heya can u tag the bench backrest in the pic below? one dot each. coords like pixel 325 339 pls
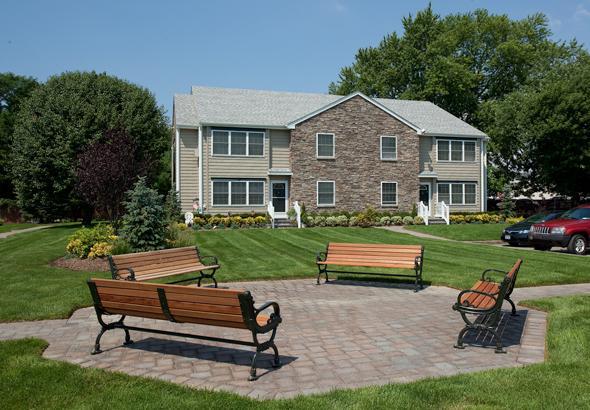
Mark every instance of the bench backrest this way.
pixel 512 274
pixel 145 263
pixel 386 253
pixel 216 307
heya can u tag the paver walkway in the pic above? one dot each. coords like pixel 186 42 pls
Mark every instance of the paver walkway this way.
pixel 337 335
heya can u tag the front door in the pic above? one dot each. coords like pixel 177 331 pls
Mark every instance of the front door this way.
pixel 425 194
pixel 278 192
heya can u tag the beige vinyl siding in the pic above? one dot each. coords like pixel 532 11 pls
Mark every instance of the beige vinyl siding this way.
pixel 279 149
pixel 228 167
pixel 189 168
pixel 452 171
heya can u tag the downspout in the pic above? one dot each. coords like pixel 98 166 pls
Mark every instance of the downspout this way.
pixel 484 176
pixel 177 144
pixel 200 142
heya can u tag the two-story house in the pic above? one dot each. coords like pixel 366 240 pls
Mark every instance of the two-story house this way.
pixel 236 150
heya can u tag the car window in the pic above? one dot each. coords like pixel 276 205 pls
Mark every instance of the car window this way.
pixel 553 215
pixel 536 218
pixel 577 213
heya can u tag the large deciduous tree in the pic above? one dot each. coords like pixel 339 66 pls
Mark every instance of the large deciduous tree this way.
pixel 457 61
pixel 106 170
pixel 541 134
pixel 14 89
pixel 61 118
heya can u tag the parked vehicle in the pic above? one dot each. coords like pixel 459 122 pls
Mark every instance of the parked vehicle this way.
pixel 571 230
pixel 518 234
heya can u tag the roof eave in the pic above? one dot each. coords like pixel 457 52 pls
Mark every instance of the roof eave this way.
pixel 345 98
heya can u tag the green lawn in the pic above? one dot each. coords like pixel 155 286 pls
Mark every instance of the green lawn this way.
pixel 463 232
pixel 31 289
pixel 29 381
pixel 16 227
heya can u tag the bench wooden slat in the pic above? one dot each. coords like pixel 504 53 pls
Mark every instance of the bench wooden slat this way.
pixel 371 264
pixel 201 307
pixel 156 262
pixel 171 270
pixel 180 297
pixel 371 245
pixel 172 252
pixel 361 258
pixel 170 289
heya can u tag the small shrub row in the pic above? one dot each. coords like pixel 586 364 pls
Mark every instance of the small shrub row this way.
pixel 482 218
pixel 92 242
pixel 366 218
pixel 230 221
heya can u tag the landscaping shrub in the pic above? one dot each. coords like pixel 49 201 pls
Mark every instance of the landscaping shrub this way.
pixel 144 223
pixel 418 220
pixel 479 217
pixel 397 220
pixel 120 246
pixel 91 242
pixel 408 220
pixel 172 208
pixel 178 235
pixel 512 221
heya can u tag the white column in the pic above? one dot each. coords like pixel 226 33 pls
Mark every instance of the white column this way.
pixel 484 176
pixel 177 162
pixel 200 142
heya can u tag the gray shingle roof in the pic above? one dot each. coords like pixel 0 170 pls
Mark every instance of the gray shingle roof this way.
pixel 257 108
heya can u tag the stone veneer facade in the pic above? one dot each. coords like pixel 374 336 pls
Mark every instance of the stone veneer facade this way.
pixel 357 168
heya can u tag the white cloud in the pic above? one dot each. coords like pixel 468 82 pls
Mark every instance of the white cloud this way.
pixel 581 12
pixel 339 6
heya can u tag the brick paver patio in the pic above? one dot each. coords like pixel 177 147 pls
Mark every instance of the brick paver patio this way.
pixel 337 335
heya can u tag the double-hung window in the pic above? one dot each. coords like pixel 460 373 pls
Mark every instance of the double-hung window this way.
pixel 455 150
pixel 456 193
pixel 388 193
pixel 237 143
pixel 388 148
pixel 325 147
pixel 238 192
pixel 326 193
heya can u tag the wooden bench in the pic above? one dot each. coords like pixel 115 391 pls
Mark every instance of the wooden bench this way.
pixel 485 300
pixel 183 304
pixel 144 266
pixel 372 255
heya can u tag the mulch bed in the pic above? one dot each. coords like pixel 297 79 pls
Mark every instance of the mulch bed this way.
pixel 94 265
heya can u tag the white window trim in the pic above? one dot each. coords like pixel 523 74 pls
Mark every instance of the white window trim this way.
pixel 229 154
pixel 448 140
pixel 383 205
pixel 317 146
pixel 229 192
pixel 451 192
pixel 317 192
pixel 381 147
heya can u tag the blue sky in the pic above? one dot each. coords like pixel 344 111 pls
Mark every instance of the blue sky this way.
pixel 278 45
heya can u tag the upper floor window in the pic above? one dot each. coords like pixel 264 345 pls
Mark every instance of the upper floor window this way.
pixel 457 193
pixel 455 150
pixel 326 193
pixel 388 193
pixel 237 143
pixel 325 145
pixel 388 148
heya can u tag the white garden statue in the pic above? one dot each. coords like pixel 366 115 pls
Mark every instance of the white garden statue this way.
pixel 188 218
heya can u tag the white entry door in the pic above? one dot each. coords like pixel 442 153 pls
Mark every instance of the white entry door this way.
pixel 279 194
pixel 426 195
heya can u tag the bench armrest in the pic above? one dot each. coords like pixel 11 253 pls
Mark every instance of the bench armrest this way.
pixel 275 316
pixel 116 275
pixel 321 256
pixel 487 278
pixel 213 260
pixel 466 306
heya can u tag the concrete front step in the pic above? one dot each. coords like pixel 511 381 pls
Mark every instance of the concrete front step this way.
pixel 284 223
pixel 436 221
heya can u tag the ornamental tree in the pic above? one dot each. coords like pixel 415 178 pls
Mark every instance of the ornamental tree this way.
pixel 106 170
pixel 61 118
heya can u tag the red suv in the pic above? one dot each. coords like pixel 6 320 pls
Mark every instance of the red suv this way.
pixel 571 230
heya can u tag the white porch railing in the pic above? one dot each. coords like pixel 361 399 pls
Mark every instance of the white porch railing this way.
pixel 441 210
pixel 297 209
pixel 423 212
pixel 271 214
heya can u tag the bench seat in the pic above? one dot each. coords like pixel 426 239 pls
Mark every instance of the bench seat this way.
pixel 144 266
pixel 183 304
pixel 484 300
pixel 372 256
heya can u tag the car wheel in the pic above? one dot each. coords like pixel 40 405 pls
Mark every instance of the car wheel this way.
pixel 577 245
pixel 542 247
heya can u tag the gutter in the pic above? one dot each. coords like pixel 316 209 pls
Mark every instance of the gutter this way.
pixel 177 147
pixel 200 142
